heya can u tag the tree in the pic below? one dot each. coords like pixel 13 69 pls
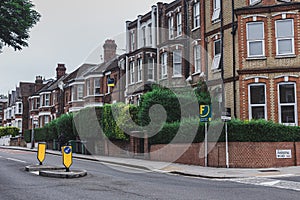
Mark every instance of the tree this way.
pixel 16 18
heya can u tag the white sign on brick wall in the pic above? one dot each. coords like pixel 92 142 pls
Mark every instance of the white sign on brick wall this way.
pixel 280 153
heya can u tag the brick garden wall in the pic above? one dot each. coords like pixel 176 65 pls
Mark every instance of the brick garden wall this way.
pixel 241 154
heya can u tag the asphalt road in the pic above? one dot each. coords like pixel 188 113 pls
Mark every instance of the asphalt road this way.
pixel 117 182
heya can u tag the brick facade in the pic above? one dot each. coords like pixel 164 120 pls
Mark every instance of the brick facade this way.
pixel 241 154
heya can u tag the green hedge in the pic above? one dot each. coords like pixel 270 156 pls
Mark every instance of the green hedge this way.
pixel 238 131
pixel 13 131
pixel 95 122
pixel 39 135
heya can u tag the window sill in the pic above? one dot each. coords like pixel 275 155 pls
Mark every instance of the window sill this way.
pixel 214 71
pixel 196 73
pixel 285 56
pixel 131 84
pixel 196 28
pixel 139 82
pixel 177 76
pixel 76 101
pixel 216 21
pixel 256 58
pixel 162 79
pixel 178 36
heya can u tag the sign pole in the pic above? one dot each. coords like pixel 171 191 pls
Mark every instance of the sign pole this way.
pixel 32 133
pixel 226 138
pixel 206 146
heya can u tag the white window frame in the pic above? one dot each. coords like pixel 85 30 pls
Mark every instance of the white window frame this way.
pixel 197 58
pixel 140 70
pixel 48 119
pixel 151 63
pixel 20 108
pixel 144 38
pixel 196 15
pixel 97 86
pixel 217 56
pixel 249 41
pixel 132 40
pixel 217 10
pixel 177 64
pixel 171 27
pixel 179 23
pixel 41 101
pixel 290 37
pixel 47 99
pixel 132 74
pixel 88 87
pixel 73 93
pixel 257 105
pixel 150 33
pixel 288 104
pixel 164 63
pixel 80 92
pixel 38 102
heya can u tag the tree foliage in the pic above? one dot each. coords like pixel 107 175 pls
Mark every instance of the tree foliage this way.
pixel 16 18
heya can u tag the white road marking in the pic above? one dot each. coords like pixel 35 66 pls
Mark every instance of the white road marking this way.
pixel 16 160
pixel 266 182
pixel 35 172
pixel 270 183
pixel 1 157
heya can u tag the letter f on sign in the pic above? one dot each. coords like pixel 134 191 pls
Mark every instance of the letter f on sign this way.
pixel 202 109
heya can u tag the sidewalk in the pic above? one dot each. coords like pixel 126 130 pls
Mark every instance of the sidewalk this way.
pixel 181 169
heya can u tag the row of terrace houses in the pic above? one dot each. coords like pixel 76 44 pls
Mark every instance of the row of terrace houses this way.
pixel 246 51
pixel 36 104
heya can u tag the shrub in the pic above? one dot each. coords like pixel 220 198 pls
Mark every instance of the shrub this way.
pixel 13 131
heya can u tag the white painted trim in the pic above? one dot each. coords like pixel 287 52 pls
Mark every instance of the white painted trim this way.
pixel 94 76
pixel 42 93
pixel 44 113
pixel 281 13
pixel 95 104
pixel 281 76
pixel 253 77
pixel 77 83
pixel 75 109
pixel 251 16
pixel 108 73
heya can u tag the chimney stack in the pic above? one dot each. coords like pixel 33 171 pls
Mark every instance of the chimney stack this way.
pixel 38 83
pixel 60 71
pixel 110 48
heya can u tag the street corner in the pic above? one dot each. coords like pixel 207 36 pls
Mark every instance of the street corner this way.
pixel 63 173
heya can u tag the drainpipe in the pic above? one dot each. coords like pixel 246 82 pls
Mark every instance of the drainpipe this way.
pixel 234 27
pixel 187 64
pixel 222 53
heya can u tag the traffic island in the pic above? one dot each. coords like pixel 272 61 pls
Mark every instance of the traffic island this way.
pixel 32 168
pixel 63 173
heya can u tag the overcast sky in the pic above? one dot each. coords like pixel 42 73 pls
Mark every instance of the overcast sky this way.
pixel 68 32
